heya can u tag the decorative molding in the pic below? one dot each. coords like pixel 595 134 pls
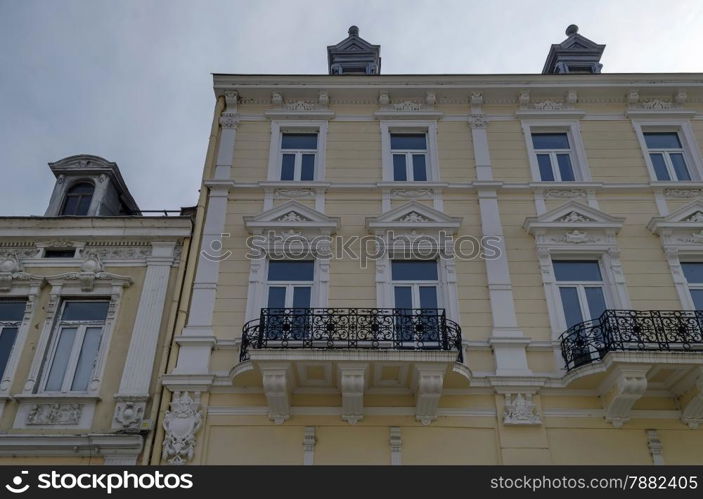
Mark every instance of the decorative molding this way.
pixel 429 380
pixel 619 392
pixel 129 415
pixel 478 120
pixel 181 424
pixel 352 380
pixel 564 193
pixel 309 442
pixel 91 270
pixel 520 409
pixel 396 444
pixel 413 215
pixel 412 194
pixel 655 447
pixel 55 414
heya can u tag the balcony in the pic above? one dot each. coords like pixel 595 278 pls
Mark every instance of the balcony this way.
pixel 632 330
pixel 351 328
pixel 351 352
pixel 627 354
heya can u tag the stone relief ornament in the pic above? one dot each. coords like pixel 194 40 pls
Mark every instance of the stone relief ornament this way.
pixel 683 193
pixel 54 414
pixel 573 217
pixel 520 409
pixel 129 415
pixel 478 121
pixel 407 106
pixel 577 237
pixel 120 252
pixel 11 270
pixel 694 217
pixel 293 193
pixel 414 216
pixel 292 216
pixel 300 105
pixel 181 423
pixel 548 105
pixel 411 193
pixel 565 193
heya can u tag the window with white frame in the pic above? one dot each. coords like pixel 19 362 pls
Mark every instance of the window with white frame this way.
pixel 409 152
pixel 581 289
pixel 667 155
pixel 298 155
pixel 415 285
pixel 554 156
pixel 289 291
pixel 75 345
pixel 11 315
pixel 693 271
pixel 555 151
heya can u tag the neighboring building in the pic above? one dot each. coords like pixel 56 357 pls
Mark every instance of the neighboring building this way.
pixel 88 301
pixel 588 191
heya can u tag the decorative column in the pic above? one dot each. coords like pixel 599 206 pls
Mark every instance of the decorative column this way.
pixel 197 338
pixel 507 340
pixel 136 377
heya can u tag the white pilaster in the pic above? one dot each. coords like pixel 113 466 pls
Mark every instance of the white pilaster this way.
pixel 396 444
pixel 309 442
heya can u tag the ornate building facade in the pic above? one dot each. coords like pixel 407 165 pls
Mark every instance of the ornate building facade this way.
pixel 526 286
pixel 88 296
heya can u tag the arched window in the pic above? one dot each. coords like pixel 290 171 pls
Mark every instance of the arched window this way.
pixel 78 199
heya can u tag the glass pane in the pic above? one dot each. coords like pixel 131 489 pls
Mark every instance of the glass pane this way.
pixel 299 141
pixel 307 171
pixel 82 188
pixel 403 297
pixel 545 167
pixel 399 172
pixel 70 205
pixel 565 169
pixel 419 169
pixel 428 297
pixel 83 205
pixel 414 141
pixel 662 140
pixel 414 270
pixel 86 359
pixel 679 166
pixel 85 311
pixel 285 270
pixel 550 141
pixel 572 309
pixel 288 167
pixel 11 311
pixel 697 295
pixel 301 297
pixel 577 270
pixel 7 340
pixel 693 271
pixel 277 297
pixel 596 302
pixel 659 167
pixel 60 361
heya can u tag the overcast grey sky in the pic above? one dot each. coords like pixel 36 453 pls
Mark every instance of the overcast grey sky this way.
pixel 131 80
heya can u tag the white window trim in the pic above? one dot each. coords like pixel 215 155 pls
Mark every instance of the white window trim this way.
pixel 691 151
pixel 64 287
pixel 403 126
pixel 572 128
pixel 278 127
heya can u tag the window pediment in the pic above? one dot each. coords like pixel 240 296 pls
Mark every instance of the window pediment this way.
pixel 413 215
pixel 681 228
pixel 290 216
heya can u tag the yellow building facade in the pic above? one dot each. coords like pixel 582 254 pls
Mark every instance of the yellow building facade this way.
pixel 88 300
pixel 444 269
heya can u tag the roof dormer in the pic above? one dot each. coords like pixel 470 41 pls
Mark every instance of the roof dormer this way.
pixel 354 56
pixel 89 186
pixel 576 54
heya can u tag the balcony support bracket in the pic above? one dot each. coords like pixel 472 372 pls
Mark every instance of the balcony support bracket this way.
pixel 352 381
pixel 621 390
pixel 428 383
pixel 276 380
pixel 692 403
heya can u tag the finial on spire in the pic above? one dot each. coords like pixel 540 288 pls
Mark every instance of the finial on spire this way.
pixel 353 31
pixel 572 29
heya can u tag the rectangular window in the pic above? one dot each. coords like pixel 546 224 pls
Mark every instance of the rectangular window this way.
pixel 298 154
pixel 409 152
pixel 11 314
pixel 59 253
pixel 554 156
pixel 415 293
pixel 667 155
pixel 289 298
pixel 75 346
pixel 694 276
pixel 581 289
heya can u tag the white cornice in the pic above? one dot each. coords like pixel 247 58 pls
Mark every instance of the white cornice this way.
pixel 69 445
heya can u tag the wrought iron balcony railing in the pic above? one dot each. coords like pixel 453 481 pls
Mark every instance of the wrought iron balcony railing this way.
pixel 352 328
pixel 632 330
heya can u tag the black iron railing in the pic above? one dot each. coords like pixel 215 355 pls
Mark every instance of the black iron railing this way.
pixel 632 330
pixel 352 328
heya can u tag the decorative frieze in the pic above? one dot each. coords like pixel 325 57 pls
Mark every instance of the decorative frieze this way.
pixel 55 414
pixel 683 193
pixel 564 193
pixel 294 194
pixel 520 409
pixel 412 194
pixel 181 424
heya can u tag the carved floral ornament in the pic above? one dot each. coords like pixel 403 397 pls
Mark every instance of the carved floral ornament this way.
pixel 181 423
